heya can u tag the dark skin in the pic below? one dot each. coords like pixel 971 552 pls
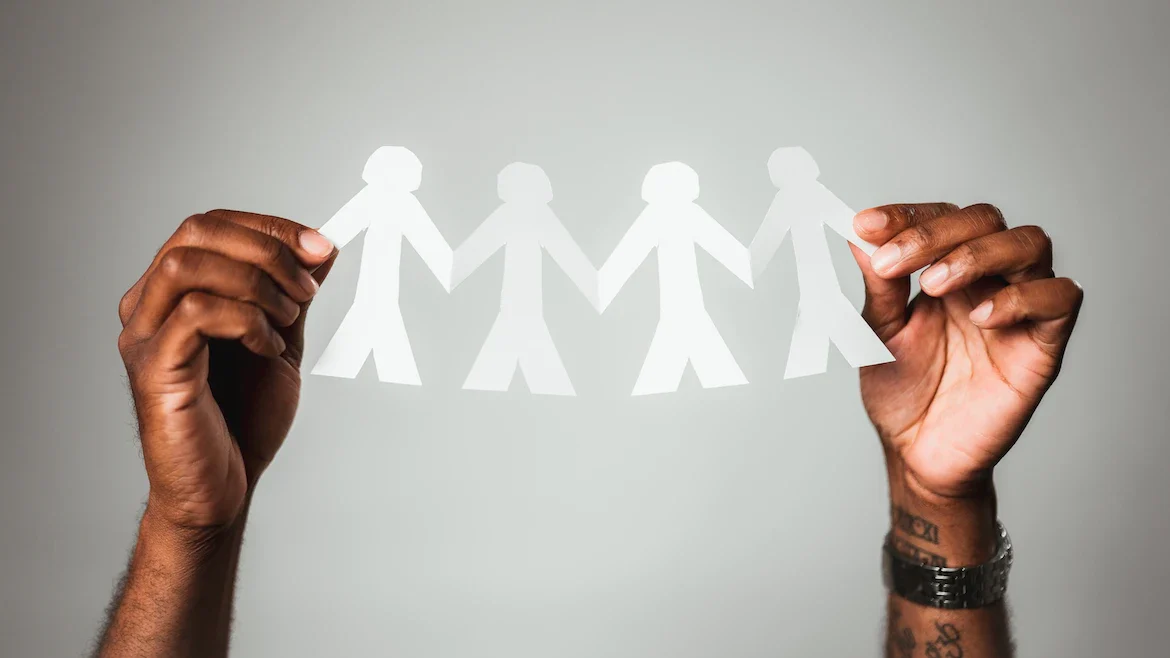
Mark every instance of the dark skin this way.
pixel 213 339
pixel 976 351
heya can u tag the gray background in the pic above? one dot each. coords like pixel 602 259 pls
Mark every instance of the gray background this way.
pixel 440 522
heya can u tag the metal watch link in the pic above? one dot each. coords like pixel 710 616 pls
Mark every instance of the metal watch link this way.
pixel 949 587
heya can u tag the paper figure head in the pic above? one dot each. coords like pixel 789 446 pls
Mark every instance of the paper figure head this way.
pixel 523 182
pixel 792 164
pixel 393 167
pixel 670 182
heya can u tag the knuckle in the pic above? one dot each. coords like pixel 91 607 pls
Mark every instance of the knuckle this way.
pixel 254 283
pixel 966 256
pixel 276 226
pixel 255 316
pixel 195 226
pixel 1012 298
pixel 195 304
pixel 176 262
pixel 271 251
pixel 973 223
pixel 939 210
pixel 285 262
pixel 250 320
pixel 1034 237
pixel 987 213
pixel 125 306
pixel 922 237
pixel 907 210
pixel 126 342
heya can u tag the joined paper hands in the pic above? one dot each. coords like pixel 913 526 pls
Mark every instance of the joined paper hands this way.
pixel 524 226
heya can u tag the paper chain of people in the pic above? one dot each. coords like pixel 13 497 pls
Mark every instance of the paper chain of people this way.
pixel 524 226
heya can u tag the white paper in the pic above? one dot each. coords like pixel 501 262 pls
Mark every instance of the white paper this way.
pixel 803 206
pixel 673 223
pixel 388 211
pixel 524 226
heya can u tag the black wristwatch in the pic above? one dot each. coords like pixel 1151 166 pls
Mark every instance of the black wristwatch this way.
pixel 949 587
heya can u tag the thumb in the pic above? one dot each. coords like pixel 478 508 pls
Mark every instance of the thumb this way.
pixel 294 334
pixel 885 299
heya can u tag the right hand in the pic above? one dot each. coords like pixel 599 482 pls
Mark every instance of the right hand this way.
pixel 976 351
pixel 212 339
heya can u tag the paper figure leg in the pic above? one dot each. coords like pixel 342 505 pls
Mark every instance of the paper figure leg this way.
pixel 497 360
pixel 392 354
pixel 665 362
pixel 541 364
pixel 347 350
pixel 809 352
pixel 710 357
pixel 853 337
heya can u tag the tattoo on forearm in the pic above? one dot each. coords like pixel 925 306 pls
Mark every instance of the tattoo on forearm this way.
pixel 901 639
pixel 915 526
pixel 918 554
pixel 946 645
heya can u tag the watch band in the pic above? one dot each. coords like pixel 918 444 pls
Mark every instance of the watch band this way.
pixel 949 587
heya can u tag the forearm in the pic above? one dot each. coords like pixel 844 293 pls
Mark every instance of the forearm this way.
pixel 176 598
pixel 943 532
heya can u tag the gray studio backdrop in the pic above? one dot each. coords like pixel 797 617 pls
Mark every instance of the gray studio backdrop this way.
pixel 436 522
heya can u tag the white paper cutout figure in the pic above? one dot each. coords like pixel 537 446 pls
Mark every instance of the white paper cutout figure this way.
pixel 387 209
pixel 804 206
pixel 674 223
pixel 524 226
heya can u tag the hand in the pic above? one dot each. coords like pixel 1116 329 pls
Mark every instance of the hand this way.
pixel 976 351
pixel 212 341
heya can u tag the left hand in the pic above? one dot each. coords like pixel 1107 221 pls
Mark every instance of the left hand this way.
pixel 976 351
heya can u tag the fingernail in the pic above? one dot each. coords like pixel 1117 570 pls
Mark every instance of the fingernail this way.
pixel 934 276
pixel 870 221
pixel 981 312
pixel 885 257
pixel 308 282
pixel 280 344
pixel 316 244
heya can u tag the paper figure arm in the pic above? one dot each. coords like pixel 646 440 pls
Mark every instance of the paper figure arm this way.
pixel 635 245
pixel 424 236
pixel 769 236
pixel 839 217
pixel 353 217
pixel 485 240
pixel 567 254
pixel 717 241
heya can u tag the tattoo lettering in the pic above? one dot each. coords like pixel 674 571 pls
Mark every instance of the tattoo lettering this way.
pixel 901 640
pixel 946 645
pixel 915 526
pixel 904 643
pixel 917 554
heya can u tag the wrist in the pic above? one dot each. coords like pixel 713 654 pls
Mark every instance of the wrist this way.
pixel 167 529
pixel 941 530
pixel 178 589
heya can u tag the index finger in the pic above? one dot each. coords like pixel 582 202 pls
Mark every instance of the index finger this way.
pixel 878 225
pixel 309 246
pixel 295 251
